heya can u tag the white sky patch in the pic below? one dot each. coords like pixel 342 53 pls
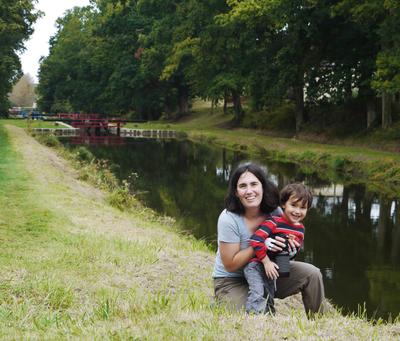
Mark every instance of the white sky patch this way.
pixel 45 27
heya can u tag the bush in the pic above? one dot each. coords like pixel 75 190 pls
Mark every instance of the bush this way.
pixel 279 118
pixel 83 154
pixel 122 198
pixel 340 163
pixel 48 140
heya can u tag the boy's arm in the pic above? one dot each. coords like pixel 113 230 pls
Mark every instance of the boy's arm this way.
pixel 270 268
pixel 257 240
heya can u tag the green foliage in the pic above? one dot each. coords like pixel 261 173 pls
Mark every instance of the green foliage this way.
pixel 150 59
pixel 16 25
pixel 340 163
pixel 83 154
pixel 122 197
pixel 280 118
pixel 49 140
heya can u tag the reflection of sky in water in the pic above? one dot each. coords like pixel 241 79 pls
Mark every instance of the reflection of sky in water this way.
pixel 274 179
pixel 392 210
pixel 328 273
pixel 375 211
pixel 351 207
pixel 335 190
pixel 224 173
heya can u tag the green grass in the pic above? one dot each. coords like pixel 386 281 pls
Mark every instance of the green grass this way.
pixel 23 123
pixel 73 267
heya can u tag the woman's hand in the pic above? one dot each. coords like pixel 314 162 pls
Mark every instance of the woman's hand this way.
pixel 270 268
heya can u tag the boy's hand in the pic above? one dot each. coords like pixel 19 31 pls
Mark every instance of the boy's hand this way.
pixel 270 268
pixel 293 246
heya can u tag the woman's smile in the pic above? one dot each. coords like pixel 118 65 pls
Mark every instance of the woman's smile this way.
pixel 249 190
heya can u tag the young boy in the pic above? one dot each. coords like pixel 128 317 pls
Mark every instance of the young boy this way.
pixel 295 200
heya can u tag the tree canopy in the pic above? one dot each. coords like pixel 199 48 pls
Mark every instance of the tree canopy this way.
pixel 16 21
pixel 149 58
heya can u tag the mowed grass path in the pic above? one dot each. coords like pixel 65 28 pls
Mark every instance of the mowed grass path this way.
pixel 74 267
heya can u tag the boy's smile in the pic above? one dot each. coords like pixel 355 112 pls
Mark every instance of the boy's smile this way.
pixel 294 210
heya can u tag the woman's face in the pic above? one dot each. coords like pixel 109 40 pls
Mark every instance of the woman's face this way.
pixel 249 190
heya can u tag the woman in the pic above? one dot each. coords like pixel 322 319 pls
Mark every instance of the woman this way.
pixel 251 197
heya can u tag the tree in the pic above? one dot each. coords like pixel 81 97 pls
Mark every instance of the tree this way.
pixel 23 93
pixel 381 19
pixel 387 76
pixel 63 74
pixel 16 22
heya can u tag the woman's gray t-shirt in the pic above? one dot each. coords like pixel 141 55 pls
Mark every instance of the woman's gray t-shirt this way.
pixel 231 229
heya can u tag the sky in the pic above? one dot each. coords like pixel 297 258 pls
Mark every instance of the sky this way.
pixel 38 44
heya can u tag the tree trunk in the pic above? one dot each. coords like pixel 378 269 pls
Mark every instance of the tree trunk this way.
pixel 371 112
pixel 386 110
pixel 183 101
pixel 384 218
pixel 298 95
pixel 225 102
pixel 237 106
pixel 395 254
pixel 348 88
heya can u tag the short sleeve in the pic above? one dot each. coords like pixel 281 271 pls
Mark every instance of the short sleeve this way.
pixel 228 229
pixel 277 212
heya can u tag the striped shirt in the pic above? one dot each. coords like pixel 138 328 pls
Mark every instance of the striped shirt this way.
pixel 271 226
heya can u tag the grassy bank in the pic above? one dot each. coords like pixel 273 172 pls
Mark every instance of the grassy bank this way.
pixel 30 124
pixel 75 267
pixel 379 170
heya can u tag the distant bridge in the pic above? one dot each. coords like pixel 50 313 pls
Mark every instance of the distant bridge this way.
pixel 94 130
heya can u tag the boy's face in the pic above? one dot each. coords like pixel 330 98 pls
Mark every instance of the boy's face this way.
pixel 294 210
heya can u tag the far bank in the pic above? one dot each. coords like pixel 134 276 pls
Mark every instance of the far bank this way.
pixel 378 169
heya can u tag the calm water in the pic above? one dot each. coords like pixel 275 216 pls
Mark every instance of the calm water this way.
pixel 352 234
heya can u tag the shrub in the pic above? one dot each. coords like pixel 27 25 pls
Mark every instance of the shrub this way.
pixel 83 154
pixel 278 118
pixel 340 163
pixel 48 140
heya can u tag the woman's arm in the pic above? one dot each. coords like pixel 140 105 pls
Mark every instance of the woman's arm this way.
pixel 232 257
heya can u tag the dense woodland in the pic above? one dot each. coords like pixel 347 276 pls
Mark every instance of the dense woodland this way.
pixel 282 62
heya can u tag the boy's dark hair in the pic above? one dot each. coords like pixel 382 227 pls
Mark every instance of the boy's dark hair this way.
pixel 270 200
pixel 299 191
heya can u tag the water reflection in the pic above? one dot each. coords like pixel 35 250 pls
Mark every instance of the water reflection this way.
pixel 352 235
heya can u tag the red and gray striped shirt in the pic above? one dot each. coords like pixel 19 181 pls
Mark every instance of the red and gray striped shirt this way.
pixel 271 226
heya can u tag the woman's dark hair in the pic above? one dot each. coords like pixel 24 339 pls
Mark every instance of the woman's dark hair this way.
pixel 270 200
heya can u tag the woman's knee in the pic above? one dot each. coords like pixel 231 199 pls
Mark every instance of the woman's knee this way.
pixel 304 271
pixel 232 292
pixel 315 272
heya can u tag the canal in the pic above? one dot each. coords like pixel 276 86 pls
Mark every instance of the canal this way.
pixel 352 233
